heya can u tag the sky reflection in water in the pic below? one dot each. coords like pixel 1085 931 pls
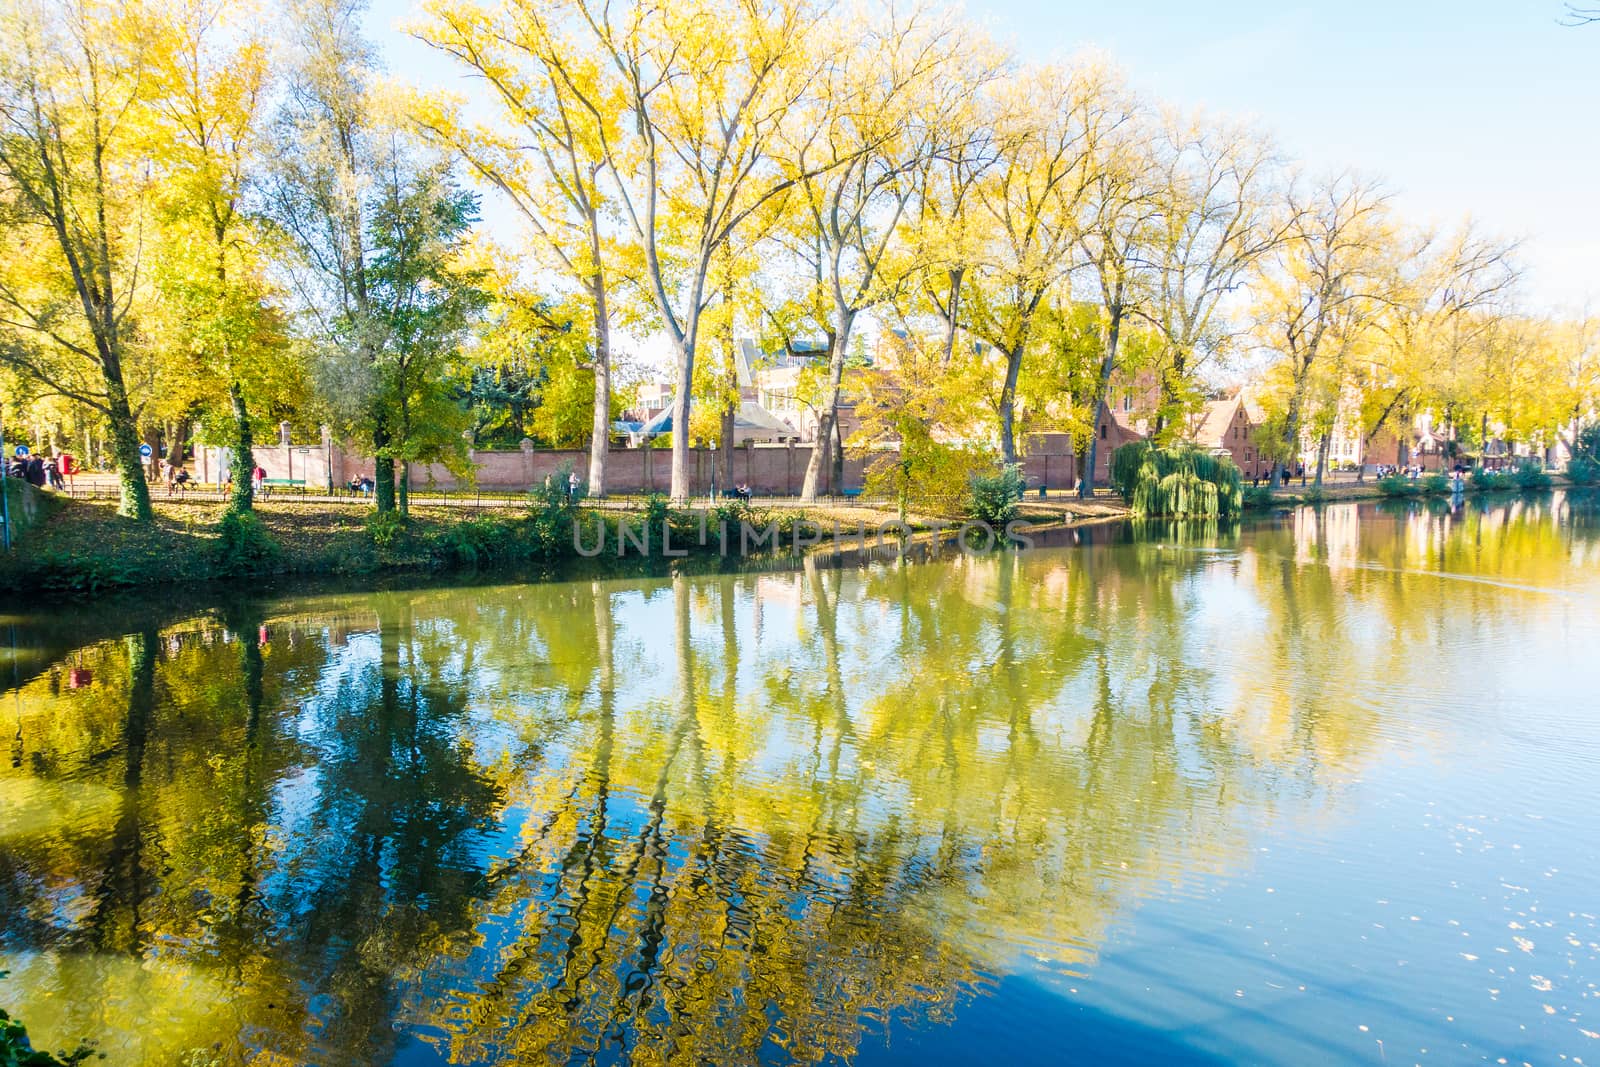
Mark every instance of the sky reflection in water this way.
pixel 1320 788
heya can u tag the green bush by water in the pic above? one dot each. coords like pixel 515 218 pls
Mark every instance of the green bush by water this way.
pixel 994 498
pixel 1398 485
pixel 1177 482
pixel 1530 474
pixel 1583 471
pixel 243 545
pixel 1258 496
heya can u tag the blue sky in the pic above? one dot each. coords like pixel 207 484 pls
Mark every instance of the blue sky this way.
pixel 1489 108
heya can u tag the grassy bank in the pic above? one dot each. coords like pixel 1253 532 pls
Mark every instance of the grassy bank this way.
pixel 85 547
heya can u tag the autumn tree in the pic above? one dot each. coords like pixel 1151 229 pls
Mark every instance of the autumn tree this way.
pixel 1323 280
pixel 75 183
pixel 1121 223
pixel 1030 204
pixel 557 109
pixel 887 111
pixel 1440 295
pixel 210 72
pixel 329 151
pixel 711 92
pixel 422 303
pixel 1216 216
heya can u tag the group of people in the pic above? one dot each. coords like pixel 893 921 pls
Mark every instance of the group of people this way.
pixel 1389 470
pixel 178 479
pixel 1297 471
pixel 37 471
pixel 258 479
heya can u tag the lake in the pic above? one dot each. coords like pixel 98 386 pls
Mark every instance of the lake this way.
pixel 1324 787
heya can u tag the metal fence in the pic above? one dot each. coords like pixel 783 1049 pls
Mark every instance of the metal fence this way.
pixel 211 494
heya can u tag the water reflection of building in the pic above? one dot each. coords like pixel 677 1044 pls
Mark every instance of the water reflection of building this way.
pixel 1329 536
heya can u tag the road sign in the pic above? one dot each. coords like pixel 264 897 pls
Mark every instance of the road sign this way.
pixel 22 450
pixel 146 451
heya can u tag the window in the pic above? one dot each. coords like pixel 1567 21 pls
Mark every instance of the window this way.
pixel 1102 431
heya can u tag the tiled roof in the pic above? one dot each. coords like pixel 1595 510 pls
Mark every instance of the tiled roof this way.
pixel 1211 429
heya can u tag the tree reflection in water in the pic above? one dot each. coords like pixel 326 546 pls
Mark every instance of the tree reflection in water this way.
pixel 694 819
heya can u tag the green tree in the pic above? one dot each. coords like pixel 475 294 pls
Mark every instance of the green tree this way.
pixel 330 155
pixel 422 304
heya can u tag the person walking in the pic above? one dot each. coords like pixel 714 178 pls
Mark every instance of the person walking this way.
pixel 259 477
pixel 35 472
pixel 52 475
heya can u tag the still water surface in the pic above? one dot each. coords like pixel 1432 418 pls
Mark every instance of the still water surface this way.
pixel 1325 788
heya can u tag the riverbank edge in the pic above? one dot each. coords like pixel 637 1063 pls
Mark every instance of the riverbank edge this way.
pixel 83 548
pixel 1341 492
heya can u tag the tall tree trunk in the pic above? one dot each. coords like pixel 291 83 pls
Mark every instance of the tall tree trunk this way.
pixel 828 418
pixel 1291 430
pixel 244 456
pixel 403 500
pixel 681 403
pixel 135 491
pixel 1008 404
pixel 600 428
pixel 724 456
pixel 837 454
pixel 1108 364
pixel 952 314
pixel 382 470
pixel 1322 455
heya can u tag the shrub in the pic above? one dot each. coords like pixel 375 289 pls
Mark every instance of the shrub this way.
pixel 1398 485
pixel 85 572
pixel 657 510
pixel 993 498
pixel 244 544
pixel 926 475
pixel 1587 444
pixel 1177 482
pixel 1257 496
pixel 1484 480
pixel 385 528
pixel 1435 484
pixel 551 512
pixel 1530 474
pixel 1583 471
pixel 477 540
pixel 731 513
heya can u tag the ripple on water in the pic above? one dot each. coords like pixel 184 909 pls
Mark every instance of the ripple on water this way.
pixel 38 807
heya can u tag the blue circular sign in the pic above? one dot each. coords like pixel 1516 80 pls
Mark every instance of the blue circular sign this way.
pixel 146 451
pixel 22 450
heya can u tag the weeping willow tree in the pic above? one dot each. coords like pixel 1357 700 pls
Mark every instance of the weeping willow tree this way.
pixel 1177 482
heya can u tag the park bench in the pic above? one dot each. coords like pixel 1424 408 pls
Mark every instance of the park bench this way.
pixel 851 493
pixel 269 484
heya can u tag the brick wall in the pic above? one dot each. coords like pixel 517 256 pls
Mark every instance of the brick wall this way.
pixel 769 470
